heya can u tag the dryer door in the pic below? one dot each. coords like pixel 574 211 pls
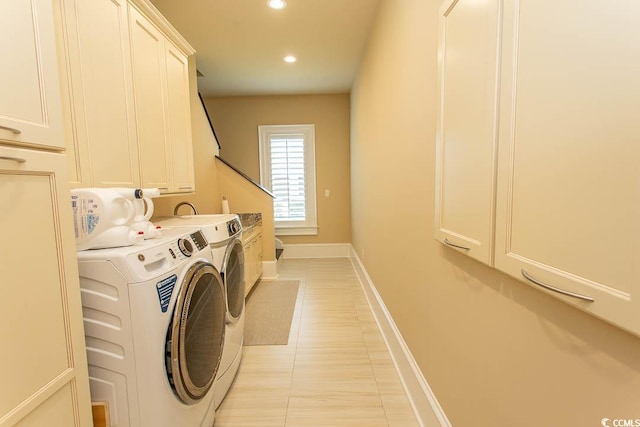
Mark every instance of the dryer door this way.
pixel 196 334
pixel 233 278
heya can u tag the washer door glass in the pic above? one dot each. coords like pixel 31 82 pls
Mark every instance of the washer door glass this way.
pixel 233 277
pixel 196 336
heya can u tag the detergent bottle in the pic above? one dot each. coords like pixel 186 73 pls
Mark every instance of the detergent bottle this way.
pixel 144 210
pixel 97 210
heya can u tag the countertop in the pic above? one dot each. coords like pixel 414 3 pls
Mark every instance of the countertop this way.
pixel 249 220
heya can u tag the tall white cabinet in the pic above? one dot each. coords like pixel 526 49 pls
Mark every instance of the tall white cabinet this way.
pixel 567 188
pixel 467 126
pixel 44 379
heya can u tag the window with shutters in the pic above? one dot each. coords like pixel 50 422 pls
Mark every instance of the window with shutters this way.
pixel 287 169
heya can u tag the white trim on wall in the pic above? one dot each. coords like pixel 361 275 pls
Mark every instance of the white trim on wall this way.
pixel 317 250
pixel 269 270
pixel 424 403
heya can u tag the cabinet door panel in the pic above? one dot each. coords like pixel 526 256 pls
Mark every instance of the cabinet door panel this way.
pixel 30 110
pixel 466 134
pixel 569 174
pixel 147 45
pixel 100 70
pixel 179 119
pixel 45 352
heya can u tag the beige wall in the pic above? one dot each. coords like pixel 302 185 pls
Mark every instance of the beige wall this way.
pixel 495 351
pixel 247 198
pixel 236 121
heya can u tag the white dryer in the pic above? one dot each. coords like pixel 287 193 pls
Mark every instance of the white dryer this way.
pixel 223 233
pixel 154 318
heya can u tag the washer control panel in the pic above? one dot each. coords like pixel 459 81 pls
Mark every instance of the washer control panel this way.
pixel 153 259
pixel 234 227
pixel 185 246
pixel 199 240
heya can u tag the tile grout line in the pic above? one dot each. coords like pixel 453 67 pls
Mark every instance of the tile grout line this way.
pixel 366 344
pixel 303 285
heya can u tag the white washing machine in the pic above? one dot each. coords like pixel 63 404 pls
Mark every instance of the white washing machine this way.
pixel 223 233
pixel 154 319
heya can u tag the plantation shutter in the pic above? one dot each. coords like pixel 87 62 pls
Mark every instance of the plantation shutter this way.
pixel 288 177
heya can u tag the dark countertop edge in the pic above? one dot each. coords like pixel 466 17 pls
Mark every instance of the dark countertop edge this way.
pixel 245 176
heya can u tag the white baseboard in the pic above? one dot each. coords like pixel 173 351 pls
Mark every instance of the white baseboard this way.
pixel 425 405
pixel 269 270
pixel 317 250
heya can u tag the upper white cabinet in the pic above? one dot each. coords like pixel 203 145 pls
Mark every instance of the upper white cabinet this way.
pixel 161 89
pixel 568 199
pixel 30 109
pixel 179 115
pixel 467 126
pixel 101 101
pixel 150 77
pixel 120 67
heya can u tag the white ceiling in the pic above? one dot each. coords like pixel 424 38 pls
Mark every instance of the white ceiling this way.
pixel 240 43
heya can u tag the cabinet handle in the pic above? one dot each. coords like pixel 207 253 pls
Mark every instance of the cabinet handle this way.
pixel 447 242
pixel 13 159
pixel 185 188
pixel 13 130
pixel 554 289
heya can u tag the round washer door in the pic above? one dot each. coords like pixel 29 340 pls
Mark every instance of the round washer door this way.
pixel 233 278
pixel 195 337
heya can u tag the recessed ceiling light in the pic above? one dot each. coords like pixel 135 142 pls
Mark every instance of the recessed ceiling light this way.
pixel 290 59
pixel 277 4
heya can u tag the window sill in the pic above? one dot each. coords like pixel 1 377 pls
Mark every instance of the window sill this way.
pixel 296 231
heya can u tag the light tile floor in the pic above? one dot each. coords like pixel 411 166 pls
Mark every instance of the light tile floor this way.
pixel 336 370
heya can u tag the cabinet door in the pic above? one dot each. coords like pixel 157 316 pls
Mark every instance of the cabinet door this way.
pixel 467 127
pixel 45 380
pixel 99 64
pixel 30 109
pixel 248 268
pixel 568 208
pixel 258 250
pixel 149 76
pixel 179 110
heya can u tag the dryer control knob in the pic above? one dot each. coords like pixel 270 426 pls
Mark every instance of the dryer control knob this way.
pixel 185 247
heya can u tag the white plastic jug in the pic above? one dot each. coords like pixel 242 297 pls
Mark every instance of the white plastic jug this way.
pixel 96 210
pixel 141 198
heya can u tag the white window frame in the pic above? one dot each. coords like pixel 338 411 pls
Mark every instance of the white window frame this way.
pixel 265 132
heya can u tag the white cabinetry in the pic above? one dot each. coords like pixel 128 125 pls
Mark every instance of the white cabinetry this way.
pixel 467 127
pixel 567 177
pixel 179 119
pixel 568 205
pixel 104 140
pixel 123 79
pixel 44 380
pixel 252 247
pixel 30 111
pixel 161 89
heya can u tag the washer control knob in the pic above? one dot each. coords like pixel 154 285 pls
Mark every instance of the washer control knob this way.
pixel 185 247
pixel 233 227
